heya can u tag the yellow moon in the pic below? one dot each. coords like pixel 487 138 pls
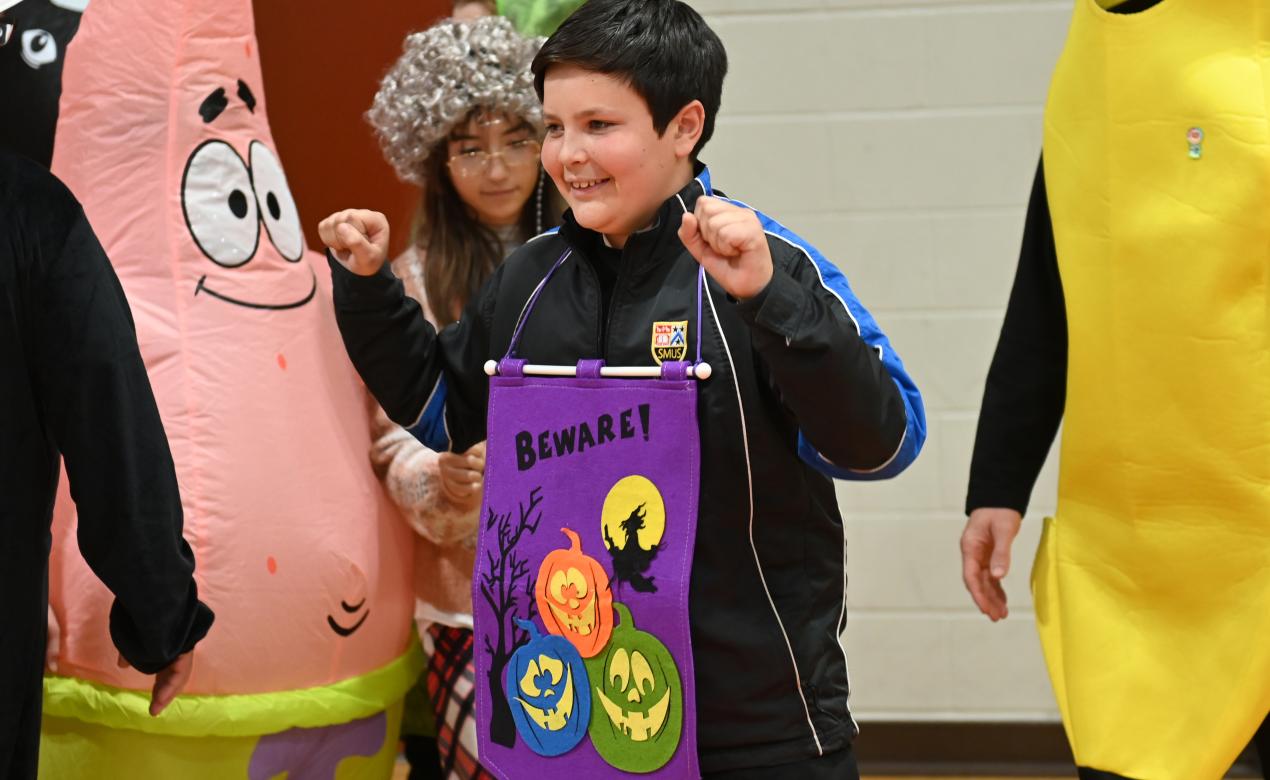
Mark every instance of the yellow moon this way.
pixel 631 495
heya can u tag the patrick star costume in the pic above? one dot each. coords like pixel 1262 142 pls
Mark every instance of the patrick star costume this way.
pixel 163 136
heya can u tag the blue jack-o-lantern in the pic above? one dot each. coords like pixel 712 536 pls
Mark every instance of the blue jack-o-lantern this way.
pixel 548 692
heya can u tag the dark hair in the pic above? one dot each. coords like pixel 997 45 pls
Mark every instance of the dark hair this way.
pixel 462 252
pixel 663 49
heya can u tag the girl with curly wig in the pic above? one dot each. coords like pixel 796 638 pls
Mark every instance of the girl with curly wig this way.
pixel 457 115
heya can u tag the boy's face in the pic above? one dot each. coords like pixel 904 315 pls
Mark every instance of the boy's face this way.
pixel 603 154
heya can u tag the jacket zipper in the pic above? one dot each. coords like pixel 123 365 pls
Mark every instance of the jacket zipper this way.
pixel 608 317
pixel 600 323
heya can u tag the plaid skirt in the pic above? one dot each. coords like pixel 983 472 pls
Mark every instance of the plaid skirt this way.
pixel 451 687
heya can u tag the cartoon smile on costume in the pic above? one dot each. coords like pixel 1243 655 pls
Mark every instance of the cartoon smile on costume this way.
pixel 350 609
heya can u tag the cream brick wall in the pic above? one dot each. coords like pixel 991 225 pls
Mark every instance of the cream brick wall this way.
pixel 901 137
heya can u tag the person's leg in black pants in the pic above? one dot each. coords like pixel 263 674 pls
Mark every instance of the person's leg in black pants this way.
pixel 1262 742
pixel 839 765
pixel 423 757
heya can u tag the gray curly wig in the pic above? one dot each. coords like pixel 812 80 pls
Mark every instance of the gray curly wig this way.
pixel 444 74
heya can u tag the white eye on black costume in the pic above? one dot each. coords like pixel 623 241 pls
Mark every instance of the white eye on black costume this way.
pixel 220 204
pixel 39 48
pixel 277 207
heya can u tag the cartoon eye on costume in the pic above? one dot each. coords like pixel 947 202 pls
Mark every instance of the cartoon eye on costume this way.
pixel 277 207
pixel 219 205
pixel 39 48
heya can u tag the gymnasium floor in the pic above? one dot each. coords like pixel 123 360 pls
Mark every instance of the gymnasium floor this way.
pixel 400 774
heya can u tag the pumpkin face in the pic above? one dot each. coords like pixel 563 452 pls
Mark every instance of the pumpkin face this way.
pixel 637 708
pixel 546 684
pixel 574 598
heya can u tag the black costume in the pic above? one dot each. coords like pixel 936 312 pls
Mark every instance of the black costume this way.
pixel 74 385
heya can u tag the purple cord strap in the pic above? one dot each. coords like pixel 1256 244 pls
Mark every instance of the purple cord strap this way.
pixel 533 300
pixel 529 305
pixel 701 285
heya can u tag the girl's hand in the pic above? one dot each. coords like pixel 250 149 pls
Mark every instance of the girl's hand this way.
pixel 358 239
pixel 463 476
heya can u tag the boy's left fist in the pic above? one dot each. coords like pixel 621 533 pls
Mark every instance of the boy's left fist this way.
pixel 729 242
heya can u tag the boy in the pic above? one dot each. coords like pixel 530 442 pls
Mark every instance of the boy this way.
pixel 804 383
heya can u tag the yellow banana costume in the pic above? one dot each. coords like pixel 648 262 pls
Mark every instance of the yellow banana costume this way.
pixel 1152 583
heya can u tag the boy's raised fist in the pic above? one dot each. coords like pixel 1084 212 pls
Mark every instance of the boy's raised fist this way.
pixel 729 242
pixel 358 238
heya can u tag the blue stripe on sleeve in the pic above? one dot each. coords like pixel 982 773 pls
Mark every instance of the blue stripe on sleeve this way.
pixel 915 413
pixel 430 429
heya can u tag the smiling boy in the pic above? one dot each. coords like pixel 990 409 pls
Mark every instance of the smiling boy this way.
pixel 805 385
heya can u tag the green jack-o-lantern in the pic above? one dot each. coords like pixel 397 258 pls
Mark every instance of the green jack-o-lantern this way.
pixel 637 699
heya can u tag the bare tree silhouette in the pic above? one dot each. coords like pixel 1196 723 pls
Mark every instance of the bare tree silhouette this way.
pixel 504 592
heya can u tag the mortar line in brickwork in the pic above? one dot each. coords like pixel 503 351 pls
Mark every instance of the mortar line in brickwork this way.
pixel 796 217
pixel 914 113
pixel 866 716
pixel 882 9
pixel 931 313
pixel 1018 612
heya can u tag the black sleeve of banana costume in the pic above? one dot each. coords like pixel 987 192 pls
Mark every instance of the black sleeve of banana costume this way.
pixel 1027 384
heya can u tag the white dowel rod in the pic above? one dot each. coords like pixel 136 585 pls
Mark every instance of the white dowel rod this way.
pixel 701 371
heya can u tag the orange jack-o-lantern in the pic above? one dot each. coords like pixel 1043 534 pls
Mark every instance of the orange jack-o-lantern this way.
pixel 574 598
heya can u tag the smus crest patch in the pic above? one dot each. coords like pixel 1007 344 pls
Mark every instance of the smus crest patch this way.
pixel 670 341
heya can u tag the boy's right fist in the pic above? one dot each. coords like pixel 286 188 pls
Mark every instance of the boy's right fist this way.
pixel 358 239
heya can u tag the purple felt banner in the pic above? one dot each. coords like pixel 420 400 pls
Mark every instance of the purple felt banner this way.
pixel 583 649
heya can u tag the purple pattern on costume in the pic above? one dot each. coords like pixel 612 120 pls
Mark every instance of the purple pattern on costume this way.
pixel 314 754
pixel 637 427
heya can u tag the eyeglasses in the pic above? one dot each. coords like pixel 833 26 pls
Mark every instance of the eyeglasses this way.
pixel 475 162
pixel 6 32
